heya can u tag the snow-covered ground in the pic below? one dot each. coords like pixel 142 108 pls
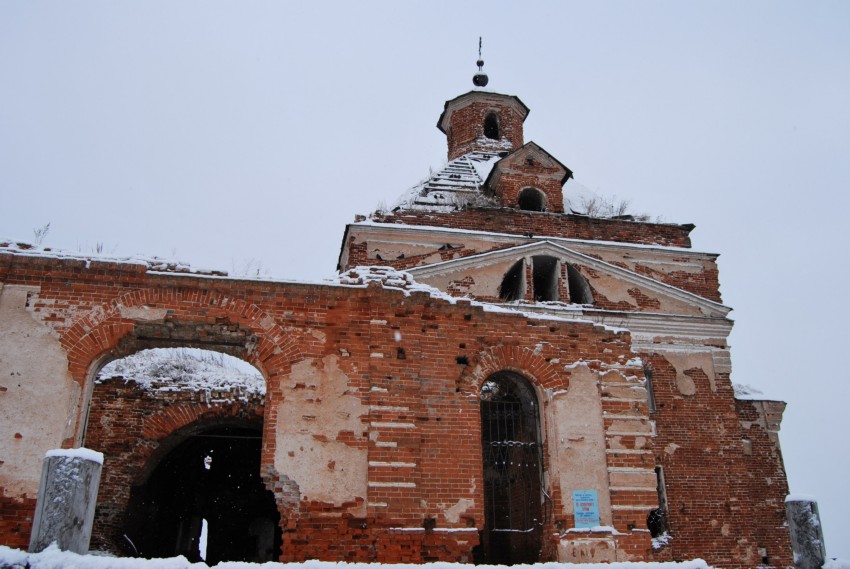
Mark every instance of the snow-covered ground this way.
pixel 53 558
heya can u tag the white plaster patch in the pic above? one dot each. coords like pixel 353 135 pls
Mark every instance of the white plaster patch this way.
pixel 453 514
pixel 34 371
pixel 143 313
pixel 314 418
pixel 685 384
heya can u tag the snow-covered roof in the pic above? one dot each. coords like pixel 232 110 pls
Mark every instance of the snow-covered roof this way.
pixel 457 184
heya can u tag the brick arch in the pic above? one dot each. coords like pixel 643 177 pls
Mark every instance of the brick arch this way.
pixel 523 361
pixel 99 331
pixel 175 417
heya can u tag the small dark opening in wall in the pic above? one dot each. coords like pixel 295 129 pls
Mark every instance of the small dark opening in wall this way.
pixel 579 289
pixel 650 390
pixel 463 360
pixel 545 278
pixel 400 354
pixel 656 521
pixel 532 199
pixel 491 126
pixel 511 287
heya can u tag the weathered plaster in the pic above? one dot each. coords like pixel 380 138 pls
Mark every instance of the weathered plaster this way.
pixel 487 279
pixel 318 406
pixel 32 363
pixel 684 361
pixel 577 442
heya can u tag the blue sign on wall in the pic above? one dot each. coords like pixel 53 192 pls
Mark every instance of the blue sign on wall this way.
pixel 585 508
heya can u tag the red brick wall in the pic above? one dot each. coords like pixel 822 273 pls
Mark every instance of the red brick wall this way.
pixel 422 366
pixel 518 177
pixel 516 222
pixel 16 516
pixel 763 462
pixel 712 487
pixel 466 128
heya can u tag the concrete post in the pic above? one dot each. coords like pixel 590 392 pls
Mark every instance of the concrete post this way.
pixel 806 532
pixel 67 496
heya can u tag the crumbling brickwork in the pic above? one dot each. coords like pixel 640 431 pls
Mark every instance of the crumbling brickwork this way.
pixel 509 220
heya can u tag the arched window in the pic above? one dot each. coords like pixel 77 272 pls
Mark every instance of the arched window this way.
pixel 512 283
pixel 579 288
pixel 532 199
pixel 545 270
pixel 491 126
pixel 513 470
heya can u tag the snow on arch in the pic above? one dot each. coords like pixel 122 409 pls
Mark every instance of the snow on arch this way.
pixel 186 369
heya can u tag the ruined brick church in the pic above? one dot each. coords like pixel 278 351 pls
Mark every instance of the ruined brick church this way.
pixel 492 378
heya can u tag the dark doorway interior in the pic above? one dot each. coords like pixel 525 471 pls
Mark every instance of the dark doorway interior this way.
pixel 512 471
pixel 210 480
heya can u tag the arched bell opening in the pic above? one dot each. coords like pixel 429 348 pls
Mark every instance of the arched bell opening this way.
pixel 513 471
pixel 491 126
pixel 532 199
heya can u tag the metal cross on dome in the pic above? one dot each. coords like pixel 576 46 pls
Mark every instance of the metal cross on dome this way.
pixel 480 79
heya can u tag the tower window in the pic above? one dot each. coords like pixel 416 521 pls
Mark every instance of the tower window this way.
pixel 491 126
pixel 532 199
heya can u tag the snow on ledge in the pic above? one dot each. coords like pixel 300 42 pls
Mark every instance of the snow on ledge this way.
pixel 53 558
pixel 159 264
pixel 394 279
pixel 84 453
pixel 800 498
pixel 744 392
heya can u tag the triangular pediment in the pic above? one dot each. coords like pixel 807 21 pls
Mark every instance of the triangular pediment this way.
pixel 529 155
pixel 592 269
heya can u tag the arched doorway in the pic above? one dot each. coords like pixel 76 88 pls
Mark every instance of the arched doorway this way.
pixel 205 500
pixel 182 432
pixel 513 471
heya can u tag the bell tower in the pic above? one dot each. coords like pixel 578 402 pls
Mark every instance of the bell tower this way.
pixel 482 120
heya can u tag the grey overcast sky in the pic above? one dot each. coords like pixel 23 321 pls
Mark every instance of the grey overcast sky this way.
pixel 230 134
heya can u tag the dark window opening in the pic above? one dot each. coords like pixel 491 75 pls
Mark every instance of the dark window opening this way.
pixel 650 390
pixel 207 488
pixel 511 287
pixel 513 471
pixel 491 126
pixel 532 199
pixel 579 288
pixel 656 521
pixel 545 278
